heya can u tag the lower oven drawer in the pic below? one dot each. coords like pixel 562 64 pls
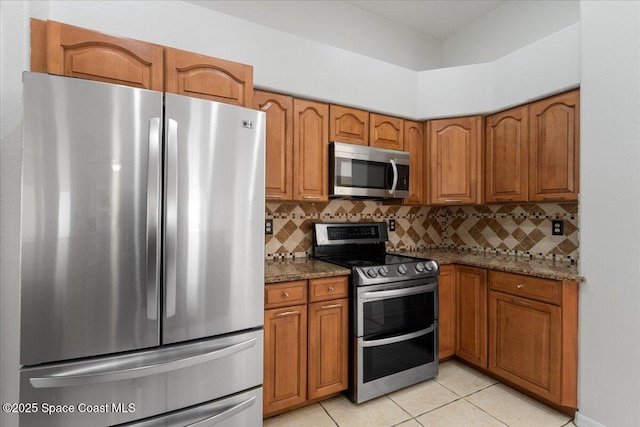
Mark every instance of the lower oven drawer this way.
pixel 114 390
pixel 386 365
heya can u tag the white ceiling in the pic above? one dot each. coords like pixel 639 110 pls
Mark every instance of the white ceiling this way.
pixel 435 18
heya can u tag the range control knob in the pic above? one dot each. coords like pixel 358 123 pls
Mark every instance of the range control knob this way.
pixel 402 269
pixel 371 272
pixel 383 271
pixel 428 266
pixel 419 268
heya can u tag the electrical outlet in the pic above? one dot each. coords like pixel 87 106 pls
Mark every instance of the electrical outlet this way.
pixel 557 227
pixel 392 225
pixel 268 226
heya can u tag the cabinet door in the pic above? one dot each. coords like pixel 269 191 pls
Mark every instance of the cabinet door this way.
pixel 446 312
pixel 328 347
pixel 77 52
pixel 285 358
pixel 310 151
pixel 507 156
pixel 279 147
pixel 471 314
pixel 348 125
pixel 414 144
pixel 455 147
pixel 386 132
pixel 554 129
pixel 191 74
pixel 525 343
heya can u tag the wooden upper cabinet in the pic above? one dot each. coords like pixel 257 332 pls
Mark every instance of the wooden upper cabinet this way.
pixel 455 166
pixel 199 76
pixel 279 143
pixel 310 151
pixel 386 132
pixel 554 129
pixel 78 52
pixel 414 144
pixel 507 156
pixel 348 125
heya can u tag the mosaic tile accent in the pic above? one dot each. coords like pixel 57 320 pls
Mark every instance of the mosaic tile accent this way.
pixel 416 227
pixel 522 230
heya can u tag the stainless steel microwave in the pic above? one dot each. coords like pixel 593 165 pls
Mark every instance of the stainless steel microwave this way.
pixel 360 171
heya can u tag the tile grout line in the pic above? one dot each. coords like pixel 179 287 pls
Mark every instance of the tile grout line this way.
pixel 327 412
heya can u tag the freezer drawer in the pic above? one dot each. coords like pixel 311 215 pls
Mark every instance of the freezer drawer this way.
pixel 107 391
pixel 240 410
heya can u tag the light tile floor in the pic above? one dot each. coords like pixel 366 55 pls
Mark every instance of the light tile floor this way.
pixel 458 396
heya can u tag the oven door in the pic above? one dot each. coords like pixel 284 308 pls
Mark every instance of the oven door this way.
pixel 361 171
pixel 397 341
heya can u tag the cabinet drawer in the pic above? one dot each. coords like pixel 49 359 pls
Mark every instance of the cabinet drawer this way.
pixel 544 290
pixel 328 288
pixel 285 293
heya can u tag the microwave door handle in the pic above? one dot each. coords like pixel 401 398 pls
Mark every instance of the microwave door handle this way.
pixel 395 176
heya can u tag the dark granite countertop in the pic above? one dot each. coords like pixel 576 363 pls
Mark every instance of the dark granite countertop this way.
pixel 309 268
pixel 548 269
pixel 300 269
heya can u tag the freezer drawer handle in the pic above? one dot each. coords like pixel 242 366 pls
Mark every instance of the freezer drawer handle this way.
pixel 218 418
pixel 133 367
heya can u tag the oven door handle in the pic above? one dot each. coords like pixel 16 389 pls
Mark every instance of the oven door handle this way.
pixel 374 295
pixel 400 338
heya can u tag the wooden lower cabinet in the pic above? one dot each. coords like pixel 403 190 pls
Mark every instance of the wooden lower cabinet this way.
pixel 446 312
pixel 285 358
pixel 471 315
pixel 328 347
pixel 305 345
pixel 533 333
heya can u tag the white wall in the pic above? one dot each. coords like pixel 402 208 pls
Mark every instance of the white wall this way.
pixel 342 25
pixel 508 28
pixel 609 375
pixel 543 68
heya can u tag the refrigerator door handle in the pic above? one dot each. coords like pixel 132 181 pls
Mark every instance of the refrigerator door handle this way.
pixel 153 216
pixel 171 222
pixel 134 366
pixel 224 415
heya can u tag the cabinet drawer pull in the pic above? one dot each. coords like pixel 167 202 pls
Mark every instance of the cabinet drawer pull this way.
pixel 330 306
pixel 517 301
pixel 519 285
pixel 312 197
pixel 285 295
pixel 286 313
pixel 331 289
pixel 452 200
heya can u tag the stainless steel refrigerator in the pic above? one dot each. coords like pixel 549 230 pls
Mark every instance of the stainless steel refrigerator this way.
pixel 142 257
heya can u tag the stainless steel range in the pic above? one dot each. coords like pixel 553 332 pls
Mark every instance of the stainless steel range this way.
pixel 394 301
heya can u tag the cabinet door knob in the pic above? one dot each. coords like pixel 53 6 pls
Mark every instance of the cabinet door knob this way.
pixel 519 286
pixel 285 294
pixel 331 289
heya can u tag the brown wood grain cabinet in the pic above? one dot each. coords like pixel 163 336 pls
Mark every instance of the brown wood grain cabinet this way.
pixel 348 125
pixel 386 132
pixel 215 79
pixel 507 156
pixel 279 144
pixel 310 151
pixel 471 315
pixel 447 312
pixel 533 335
pixel 285 358
pixel 306 345
pixel 71 51
pixel 455 164
pixel 554 153
pixel 415 145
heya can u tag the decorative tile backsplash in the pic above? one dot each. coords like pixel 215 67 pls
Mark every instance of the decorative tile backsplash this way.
pixel 523 230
